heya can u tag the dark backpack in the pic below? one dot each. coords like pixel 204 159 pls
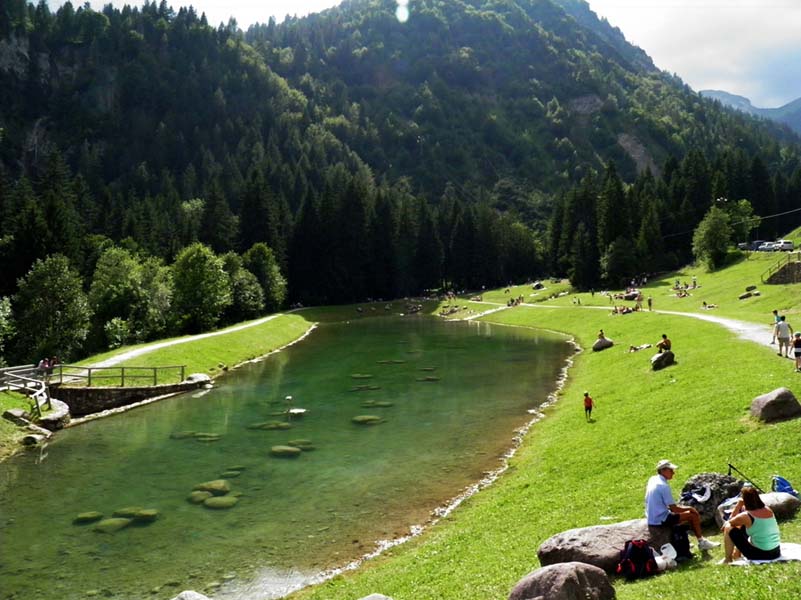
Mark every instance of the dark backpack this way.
pixel 636 560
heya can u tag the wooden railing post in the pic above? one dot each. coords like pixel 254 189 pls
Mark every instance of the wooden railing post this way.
pixel 89 377
pixel 122 376
pixel 182 372
pixel 155 380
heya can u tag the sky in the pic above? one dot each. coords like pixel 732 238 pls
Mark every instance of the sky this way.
pixel 747 47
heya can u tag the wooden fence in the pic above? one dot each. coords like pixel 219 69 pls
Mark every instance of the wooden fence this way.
pixel 116 376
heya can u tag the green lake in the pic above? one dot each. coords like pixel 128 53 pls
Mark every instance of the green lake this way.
pixel 450 396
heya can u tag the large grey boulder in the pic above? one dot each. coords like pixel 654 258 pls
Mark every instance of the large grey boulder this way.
pixel 662 360
pixel 783 505
pixel 564 581
pixel 18 416
pixel 199 378
pixel 778 405
pixel 599 545
pixel 602 344
pixel 721 487
pixel 57 418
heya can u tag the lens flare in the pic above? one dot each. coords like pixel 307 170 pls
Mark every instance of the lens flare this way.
pixel 402 12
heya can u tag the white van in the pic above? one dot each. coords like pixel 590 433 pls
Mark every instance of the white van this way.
pixel 784 245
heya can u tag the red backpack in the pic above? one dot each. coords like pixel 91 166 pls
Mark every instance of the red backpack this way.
pixel 636 560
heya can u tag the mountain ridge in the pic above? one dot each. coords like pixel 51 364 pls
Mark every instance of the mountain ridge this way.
pixel 789 114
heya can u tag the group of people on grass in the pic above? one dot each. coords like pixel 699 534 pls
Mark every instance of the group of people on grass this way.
pixel 751 530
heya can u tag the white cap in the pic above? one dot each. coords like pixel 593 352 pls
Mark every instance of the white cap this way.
pixel 665 464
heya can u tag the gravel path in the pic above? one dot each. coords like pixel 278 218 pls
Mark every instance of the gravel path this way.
pixel 114 360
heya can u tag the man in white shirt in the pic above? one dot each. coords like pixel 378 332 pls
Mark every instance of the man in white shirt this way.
pixel 662 510
pixel 783 331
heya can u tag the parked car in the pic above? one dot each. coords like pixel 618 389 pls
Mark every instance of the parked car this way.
pixel 766 247
pixel 755 245
pixel 784 245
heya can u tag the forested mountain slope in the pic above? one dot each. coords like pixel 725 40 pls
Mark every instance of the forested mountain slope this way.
pixel 342 156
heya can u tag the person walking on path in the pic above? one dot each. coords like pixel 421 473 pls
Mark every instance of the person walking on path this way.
pixel 776 319
pixel 783 331
pixel 650 303
pixel 588 406
pixel 662 511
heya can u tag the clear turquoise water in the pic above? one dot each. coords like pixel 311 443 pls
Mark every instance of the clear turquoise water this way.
pixel 295 517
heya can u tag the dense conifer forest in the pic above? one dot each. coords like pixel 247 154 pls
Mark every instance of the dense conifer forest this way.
pixel 160 174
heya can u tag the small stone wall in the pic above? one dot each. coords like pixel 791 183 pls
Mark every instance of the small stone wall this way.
pixel 88 400
pixel 789 273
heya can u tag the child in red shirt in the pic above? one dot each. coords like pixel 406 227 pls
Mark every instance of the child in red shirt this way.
pixel 588 406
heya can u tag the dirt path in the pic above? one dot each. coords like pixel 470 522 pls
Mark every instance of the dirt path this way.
pixel 114 360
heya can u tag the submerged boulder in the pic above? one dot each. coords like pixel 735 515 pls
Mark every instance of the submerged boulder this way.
pixel 218 487
pixel 221 502
pixel 271 425
pixel 304 445
pixel 112 525
pixel 367 419
pixel 146 515
pixel 129 512
pixel 197 497
pixel 285 451
pixel 87 517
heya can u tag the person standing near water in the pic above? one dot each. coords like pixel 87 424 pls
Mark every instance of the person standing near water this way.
pixel 588 406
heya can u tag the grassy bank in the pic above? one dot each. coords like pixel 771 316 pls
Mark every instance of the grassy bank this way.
pixel 571 474
pixel 206 355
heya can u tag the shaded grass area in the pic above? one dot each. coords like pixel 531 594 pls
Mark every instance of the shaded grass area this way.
pixel 10 434
pixel 571 474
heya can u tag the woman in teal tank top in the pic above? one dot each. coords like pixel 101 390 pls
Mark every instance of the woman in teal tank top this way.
pixel 751 531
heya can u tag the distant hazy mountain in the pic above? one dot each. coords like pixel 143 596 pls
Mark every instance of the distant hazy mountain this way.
pixel 789 114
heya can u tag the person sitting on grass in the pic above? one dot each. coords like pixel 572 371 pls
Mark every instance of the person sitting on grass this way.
pixel 662 511
pixel 751 531
pixel 709 306
pixel 664 345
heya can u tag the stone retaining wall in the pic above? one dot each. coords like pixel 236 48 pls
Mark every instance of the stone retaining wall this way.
pixel 85 401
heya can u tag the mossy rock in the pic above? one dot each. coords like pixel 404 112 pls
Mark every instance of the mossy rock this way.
pixel 304 445
pixel 237 468
pixel 87 517
pixel 218 487
pixel 285 451
pixel 428 368
pixel 112 525
pixel 365 388
pixel 146 515
pixel 361 376
pixel 429 378
pixel 367 419
pixel 181 435
pixel 198 496
pixel 383 403
pixel 129 512
pixel 230 474
pixel 271 425
pixel 220 502
pixel 207 437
